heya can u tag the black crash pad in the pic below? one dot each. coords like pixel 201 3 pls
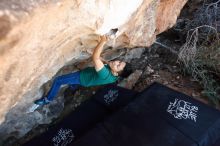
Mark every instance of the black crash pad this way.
pixel 103 103
pixel 114 97
pixel 159 116
pixel 194 119
pixel 134 127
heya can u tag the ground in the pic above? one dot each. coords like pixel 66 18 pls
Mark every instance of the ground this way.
pixel 160 65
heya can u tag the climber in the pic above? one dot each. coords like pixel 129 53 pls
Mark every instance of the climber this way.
pixel 100 74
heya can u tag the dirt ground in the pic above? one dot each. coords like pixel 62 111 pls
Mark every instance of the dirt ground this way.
pixel 160 65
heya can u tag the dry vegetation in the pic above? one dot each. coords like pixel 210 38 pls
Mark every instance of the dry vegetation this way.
pixel 200 54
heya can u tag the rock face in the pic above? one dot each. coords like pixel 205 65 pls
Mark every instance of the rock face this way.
pixel 37 38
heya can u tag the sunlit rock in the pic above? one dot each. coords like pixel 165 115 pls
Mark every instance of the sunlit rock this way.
pixel 37 38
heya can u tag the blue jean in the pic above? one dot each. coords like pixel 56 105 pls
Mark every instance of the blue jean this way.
pixel 72 79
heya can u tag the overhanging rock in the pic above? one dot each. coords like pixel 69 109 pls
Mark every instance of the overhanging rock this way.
pixel 37 38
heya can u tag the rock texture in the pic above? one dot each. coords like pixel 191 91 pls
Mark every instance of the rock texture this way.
pixel 131 80
pixel 37 38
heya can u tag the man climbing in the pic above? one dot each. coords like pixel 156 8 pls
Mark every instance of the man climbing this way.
pixel 100 74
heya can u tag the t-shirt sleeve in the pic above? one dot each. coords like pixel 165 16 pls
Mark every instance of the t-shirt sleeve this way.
pixel 104 72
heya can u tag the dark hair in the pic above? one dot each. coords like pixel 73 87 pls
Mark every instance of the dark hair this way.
pixel 126 71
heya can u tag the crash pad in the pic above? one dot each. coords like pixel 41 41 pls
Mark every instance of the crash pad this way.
pixel 158 116
pixel 102 104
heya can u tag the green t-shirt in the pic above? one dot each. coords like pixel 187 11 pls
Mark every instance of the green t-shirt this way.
pixel 90 77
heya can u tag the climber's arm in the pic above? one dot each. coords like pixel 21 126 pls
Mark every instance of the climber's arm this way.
pixel 97 52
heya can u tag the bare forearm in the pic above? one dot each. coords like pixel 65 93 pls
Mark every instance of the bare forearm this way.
pixel 98 49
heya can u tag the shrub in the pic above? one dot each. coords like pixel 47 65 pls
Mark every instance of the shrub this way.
pixel 200 54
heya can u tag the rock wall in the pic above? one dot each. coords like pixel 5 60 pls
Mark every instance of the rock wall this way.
pixel 37 38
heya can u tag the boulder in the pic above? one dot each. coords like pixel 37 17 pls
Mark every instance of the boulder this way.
pixel 37 38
